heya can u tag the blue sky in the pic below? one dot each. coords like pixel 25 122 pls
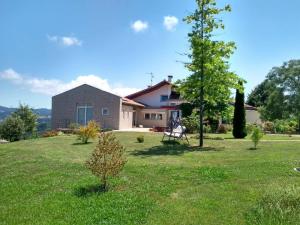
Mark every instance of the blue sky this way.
pixel 49 46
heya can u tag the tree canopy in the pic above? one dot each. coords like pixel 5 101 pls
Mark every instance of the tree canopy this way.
pixel 211 80
pixel 279 94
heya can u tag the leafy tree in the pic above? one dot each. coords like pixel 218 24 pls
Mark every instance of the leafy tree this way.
pixel 12 128
pixel 239 119
pixel 259 95
pixel 279 93
pixel 107 159
pixel 186 109
pixel 210 80
pixel 25 113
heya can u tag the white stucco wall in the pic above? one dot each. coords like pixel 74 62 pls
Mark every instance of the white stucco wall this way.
pixel 253 116
pixel 152 123
pixel 126 117
pixel 153 99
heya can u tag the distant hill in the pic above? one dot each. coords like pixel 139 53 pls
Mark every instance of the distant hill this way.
pixel 42 112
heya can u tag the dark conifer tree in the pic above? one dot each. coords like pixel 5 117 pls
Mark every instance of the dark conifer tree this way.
pixel 239 119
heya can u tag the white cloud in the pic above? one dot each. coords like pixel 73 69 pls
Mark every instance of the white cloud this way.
pixel 65 41
pixel 170 22
pixel 139 26
pixel 54 86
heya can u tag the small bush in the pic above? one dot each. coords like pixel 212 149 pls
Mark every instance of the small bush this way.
pixel 107 159
pixel 74 126
pixel 51 133
pixel 12 128
pixel 207 129
pixel 191 123
pixel 277 207
pixel 222 129
pixel 88 132
pixel 256 135
pixel 140 139
pixel 229 127
pixel 269 127
pixel 250 127
pixel 285 126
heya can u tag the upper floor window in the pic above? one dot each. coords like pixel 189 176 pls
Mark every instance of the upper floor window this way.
pixel 164 98
pixel 105 112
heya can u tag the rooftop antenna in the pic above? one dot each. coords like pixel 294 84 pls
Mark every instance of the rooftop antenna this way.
pixel 151 77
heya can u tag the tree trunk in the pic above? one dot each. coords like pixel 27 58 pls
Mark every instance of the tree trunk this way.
pixel 202 79
pixel 201 118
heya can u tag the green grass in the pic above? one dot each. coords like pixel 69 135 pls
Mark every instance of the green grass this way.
pixel 44 181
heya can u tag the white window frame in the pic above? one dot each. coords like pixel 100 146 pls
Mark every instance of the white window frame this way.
pixel 85 110
pixel 156 116
pixel 103 109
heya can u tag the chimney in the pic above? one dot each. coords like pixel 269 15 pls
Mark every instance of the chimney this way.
pixel 170 77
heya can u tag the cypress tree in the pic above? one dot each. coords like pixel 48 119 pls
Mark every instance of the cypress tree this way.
pixel 239 119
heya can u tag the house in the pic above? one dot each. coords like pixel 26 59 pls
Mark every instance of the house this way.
pixel 85 103
pixel 151 107
pixel 252 115
pixel 161 102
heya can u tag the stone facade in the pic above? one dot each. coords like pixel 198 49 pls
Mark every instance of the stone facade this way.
pixel 65 107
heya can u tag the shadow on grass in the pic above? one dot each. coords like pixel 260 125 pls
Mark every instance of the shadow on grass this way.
pixel 171 148
pixel 80 143
pixel 90 190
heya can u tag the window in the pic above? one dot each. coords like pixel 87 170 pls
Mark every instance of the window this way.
pixel 147 116
pixel 164 98
pixel 153 116
pixel 159 116
pixel 105 112
pixel 84 114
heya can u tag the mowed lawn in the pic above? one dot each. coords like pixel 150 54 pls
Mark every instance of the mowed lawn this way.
pixel 44 181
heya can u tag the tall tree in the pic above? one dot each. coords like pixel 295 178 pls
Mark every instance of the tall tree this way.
pixel 210 80
pixel 239 118
pixel 279 94
pixel 29 118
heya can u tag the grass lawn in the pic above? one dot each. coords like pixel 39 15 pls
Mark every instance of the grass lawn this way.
pixel 44 181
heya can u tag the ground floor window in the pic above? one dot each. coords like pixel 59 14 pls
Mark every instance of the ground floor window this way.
pixel 84 114
pixel 153 116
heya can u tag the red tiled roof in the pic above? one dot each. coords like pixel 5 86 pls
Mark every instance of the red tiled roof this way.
pixel 127 101
pixel 149 89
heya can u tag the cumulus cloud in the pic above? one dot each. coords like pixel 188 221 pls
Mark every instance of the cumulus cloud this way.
pixel 139 26
pixel 55 86
pixel 65 41
pixel 170 22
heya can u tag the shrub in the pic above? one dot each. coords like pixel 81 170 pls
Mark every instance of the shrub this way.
pixel 74 126
pixel 51 133
pixel 186 109
pixel 12 128
pixel 285 126
pixel 278 206
pixel 229 127
pixel 250 127
pixel 140 139
pixel 269 127
pixel 239 119
pixel 107 159
pixel 222 129
pixel 256 135
pixel 207 129
pixel 191 123
pixel 88 132
pixel 214 124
